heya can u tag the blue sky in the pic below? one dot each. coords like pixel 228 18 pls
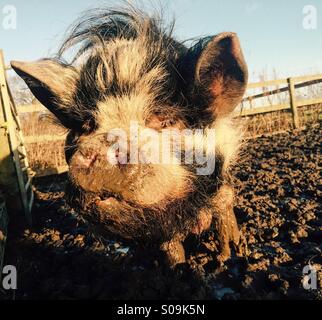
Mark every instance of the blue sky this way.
pixel 270 31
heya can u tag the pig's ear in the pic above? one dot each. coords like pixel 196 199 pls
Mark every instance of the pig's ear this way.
pixel 53 84
pixel 221 73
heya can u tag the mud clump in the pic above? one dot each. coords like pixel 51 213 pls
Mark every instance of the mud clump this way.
pixel 278 208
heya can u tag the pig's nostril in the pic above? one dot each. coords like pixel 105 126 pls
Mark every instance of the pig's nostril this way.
pixel 117 157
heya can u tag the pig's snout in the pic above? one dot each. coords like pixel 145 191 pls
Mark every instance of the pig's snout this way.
pixel 85 161
pixel 111 157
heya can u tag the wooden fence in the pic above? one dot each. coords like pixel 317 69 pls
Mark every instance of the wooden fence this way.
pixel 16 194
pixel 15 172
pixel 288 85
pixel 265 89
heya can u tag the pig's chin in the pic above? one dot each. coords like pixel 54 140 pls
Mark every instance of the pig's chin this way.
pixel 109 200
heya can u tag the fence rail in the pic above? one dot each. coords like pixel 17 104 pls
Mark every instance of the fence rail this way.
pixel 290 86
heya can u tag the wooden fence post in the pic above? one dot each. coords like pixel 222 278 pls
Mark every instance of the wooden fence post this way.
pixel 15 173
pixel 295 115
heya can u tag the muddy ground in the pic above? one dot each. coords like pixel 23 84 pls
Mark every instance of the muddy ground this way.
pixel 278 208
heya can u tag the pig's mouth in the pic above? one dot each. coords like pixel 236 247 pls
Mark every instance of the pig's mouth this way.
pixel 108 196
pixel 110 200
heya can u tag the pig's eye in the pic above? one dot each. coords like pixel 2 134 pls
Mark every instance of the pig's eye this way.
pixel 167 123
pixel 158 123
pixel 89 126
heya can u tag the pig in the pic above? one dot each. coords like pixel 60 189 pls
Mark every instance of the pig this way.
pixel 128 68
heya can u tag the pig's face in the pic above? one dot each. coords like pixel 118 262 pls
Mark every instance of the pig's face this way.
pixel 107 158
pixel 114 161
pixel 124 94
